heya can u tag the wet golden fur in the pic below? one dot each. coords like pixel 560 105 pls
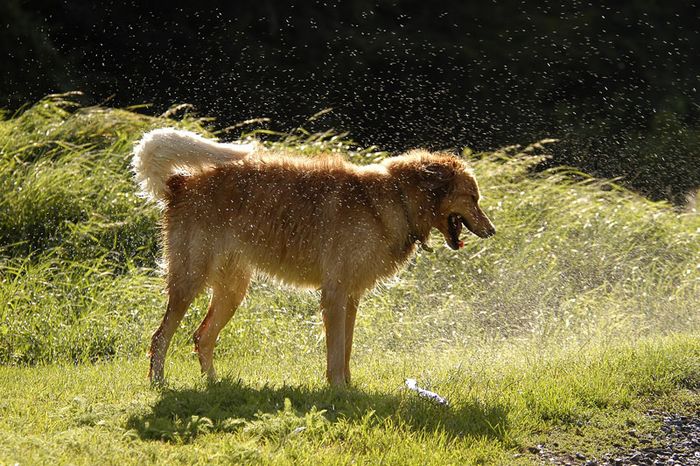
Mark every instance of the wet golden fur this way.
pixel 320 223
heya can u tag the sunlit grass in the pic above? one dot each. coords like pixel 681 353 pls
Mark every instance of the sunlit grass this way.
pixel 582 307
pixel 282 412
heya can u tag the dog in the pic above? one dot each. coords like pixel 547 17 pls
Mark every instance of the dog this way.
pixel 231 210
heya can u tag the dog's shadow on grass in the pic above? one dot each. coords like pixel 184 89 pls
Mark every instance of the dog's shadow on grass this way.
pixel 181 415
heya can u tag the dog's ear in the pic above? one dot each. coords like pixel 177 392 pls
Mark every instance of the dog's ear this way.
pixel 435 176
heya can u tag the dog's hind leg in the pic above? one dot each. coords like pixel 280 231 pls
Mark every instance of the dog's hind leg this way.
pixel 226 297
pixel 186 278
pixel 334 304
pixel 350 314
pixel 179 299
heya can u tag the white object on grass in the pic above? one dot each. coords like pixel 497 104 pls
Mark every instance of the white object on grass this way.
pixel 413 385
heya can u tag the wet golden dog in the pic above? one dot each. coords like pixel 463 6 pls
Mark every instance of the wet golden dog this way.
pixel 231 210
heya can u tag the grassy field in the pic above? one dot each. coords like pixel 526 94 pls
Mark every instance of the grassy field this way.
pixel 562 330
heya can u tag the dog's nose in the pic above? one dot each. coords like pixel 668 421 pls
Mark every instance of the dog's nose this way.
pixel 489 232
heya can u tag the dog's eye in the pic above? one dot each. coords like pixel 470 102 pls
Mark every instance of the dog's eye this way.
pixel 469 198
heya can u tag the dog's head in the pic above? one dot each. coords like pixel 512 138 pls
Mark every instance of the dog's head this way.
pixel 452 185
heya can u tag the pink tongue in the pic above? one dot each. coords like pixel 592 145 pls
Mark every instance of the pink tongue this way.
pixel 460 245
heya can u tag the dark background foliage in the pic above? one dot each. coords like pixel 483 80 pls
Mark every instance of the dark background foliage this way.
pixel 616 81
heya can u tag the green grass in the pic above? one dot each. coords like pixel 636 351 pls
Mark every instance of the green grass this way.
pixel 562 329
pixel 275 408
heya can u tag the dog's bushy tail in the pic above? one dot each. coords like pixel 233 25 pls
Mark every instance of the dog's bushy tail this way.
pixel 164 152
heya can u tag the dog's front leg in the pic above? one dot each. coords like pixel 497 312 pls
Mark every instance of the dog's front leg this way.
pixel 350 313
pixel 334 305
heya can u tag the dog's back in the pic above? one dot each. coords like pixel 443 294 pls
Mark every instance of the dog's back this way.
pixel 295 219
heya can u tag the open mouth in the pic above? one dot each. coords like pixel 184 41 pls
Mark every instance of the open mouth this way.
pixel 454 229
